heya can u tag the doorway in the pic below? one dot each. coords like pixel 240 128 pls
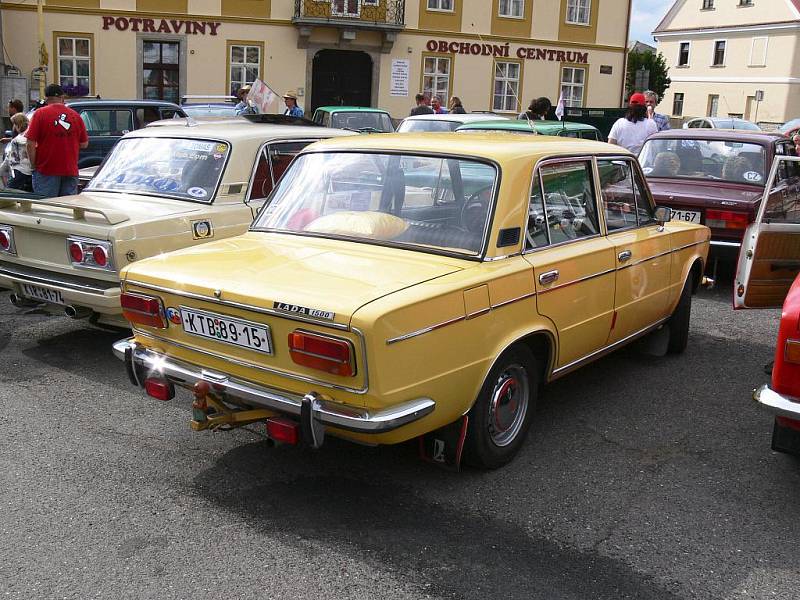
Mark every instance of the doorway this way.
pixel 341 78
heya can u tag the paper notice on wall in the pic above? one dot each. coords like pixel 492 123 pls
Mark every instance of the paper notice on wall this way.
pixel 399 81
pixel 262 98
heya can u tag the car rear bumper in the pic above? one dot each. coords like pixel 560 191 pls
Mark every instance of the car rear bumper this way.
pixel 142 362
pixel 778 404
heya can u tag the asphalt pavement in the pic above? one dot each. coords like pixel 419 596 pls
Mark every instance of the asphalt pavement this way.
pixel 642 478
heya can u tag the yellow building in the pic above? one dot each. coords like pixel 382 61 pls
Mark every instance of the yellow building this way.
pixel 493 54
pixel 732 58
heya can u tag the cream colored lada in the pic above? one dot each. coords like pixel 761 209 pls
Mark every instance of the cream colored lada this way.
pixel 175 185
pixel 415 285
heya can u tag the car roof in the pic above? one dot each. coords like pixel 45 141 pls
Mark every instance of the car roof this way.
pixel 524 125
pixel 738 135
pixel 232 129
pixel 459 118
pixel 489 145
pixel 352 109
pixel 105 102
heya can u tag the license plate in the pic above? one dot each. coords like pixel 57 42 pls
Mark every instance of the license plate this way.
pixel 236 332
pixel 687 216
pixel 36 292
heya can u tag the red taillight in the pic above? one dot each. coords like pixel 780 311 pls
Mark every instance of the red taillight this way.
pixel 76 252
pixel 283 430
pixel 321 352
pixel 160 389
pixel 143 310
pixel 727 219
pixel 100 256
pixel 5 240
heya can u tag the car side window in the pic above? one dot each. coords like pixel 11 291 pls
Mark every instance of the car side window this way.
pixel 168 113
pixel 536 234
pixel 644 210
pixel 616 192
pixel 107 122
pixel 783 203
pixel 569 200
pixel 272 163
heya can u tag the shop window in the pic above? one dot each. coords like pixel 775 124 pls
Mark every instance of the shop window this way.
pixel 719 53
pixel 512 8
pixel 713 105
pixel 506 86
pixel 436 77
pixel 441 5
pixel 677 105
pixel 244 65
pixel 573 83
pixel 579 11
pixel 683 54
pixel 74 64
pixel 161 70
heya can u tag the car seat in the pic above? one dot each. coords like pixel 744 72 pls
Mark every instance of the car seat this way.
pixel 666 164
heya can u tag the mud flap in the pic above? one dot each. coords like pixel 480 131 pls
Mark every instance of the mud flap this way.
pixel 785 437
pixel 444 446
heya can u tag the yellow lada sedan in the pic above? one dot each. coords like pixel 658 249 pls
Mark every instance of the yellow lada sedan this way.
pixel 415 285
pixel 171 186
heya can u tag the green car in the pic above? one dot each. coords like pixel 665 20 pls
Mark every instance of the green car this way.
pixel 355 118
pixel 559 128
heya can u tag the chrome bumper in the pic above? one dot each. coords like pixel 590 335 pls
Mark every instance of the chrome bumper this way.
pixel 323 412
pixel 778 404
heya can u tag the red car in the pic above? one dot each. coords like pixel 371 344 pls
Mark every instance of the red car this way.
pixel 712 176
pixel 768 274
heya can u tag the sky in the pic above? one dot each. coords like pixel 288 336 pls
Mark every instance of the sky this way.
pixel 646 15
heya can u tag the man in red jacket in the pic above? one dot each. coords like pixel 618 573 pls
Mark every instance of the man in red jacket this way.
pixel 55 136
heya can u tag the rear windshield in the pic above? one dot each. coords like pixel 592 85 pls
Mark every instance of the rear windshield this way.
pixel 403 200
pixel 427 125
pixel 362 121
pixel 714 160
pixel 187 169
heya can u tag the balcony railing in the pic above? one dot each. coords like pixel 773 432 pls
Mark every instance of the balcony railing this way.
pixel 372 14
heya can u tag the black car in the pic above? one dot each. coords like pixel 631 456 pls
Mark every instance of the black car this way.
pixel 108 120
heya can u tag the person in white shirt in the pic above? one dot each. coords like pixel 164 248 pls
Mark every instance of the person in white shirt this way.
pixel 634 128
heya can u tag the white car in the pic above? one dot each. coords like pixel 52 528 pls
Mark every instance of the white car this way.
pixel 445 122
pixel 721 123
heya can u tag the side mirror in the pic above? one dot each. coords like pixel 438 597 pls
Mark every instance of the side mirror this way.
pixel 662 214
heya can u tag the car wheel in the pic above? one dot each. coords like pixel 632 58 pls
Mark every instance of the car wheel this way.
pixel 502 414
pixel 785 438
pixel 679 321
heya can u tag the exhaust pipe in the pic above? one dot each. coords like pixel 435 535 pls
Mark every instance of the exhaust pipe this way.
pixel 21 302
pixel 77 312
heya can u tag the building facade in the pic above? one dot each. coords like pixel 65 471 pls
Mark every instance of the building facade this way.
pixel 494 54
pixel 732 58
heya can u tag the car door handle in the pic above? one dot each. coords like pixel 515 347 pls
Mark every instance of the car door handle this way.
pixel 548 277
pixel 624 255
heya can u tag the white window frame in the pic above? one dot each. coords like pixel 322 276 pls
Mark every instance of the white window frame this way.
pixel 438 7
pixel 510 4
pixel 688 54
pixel 714 53
pixel 437 76
pixel 713 105
pixel 571 84
pixel 242 66
pixel 674 100
pixel 763 60
pixel 577 4
pixel 74 58
pixel 344 12
pixel 507 80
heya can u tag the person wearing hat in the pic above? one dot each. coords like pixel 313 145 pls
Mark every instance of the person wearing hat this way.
pixel 290 99
pixel 55 137
pixel 243 107
pixel 634 128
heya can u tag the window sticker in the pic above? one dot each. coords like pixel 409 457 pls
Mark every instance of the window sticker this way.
pixel 647 170
pixel 197 192
pixel 752 176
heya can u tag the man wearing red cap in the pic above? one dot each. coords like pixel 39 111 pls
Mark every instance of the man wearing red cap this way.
pixel 633 129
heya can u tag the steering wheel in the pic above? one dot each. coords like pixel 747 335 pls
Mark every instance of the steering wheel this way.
pixel 473 212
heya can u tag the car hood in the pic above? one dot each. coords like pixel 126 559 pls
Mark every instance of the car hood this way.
pixel 704 194
pixel 291 272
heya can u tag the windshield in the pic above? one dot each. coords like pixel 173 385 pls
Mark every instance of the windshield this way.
pixel 186 169
pixel 427 125
pixel 404 200
pixel 735 162
pixel 361 120
pixel 210 110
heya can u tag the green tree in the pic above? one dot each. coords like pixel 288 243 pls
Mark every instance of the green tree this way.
pixel 658 76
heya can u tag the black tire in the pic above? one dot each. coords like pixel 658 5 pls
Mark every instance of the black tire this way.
pixel 513 379
pixel 679 321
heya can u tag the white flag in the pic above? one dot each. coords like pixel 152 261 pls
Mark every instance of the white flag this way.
pixel 262 98
pixel 560 106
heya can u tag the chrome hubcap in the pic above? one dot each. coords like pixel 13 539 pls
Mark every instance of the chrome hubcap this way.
pixel 508 405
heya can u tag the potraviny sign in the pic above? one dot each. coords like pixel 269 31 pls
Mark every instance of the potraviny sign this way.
pixel 161 25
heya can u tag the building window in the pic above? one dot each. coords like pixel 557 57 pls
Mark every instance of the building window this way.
pixel 436 77
pixel 506 86
pixel 345 8
pixel 713 105
pixel 441 5
pixel 244 62
pixel 683 54
pixel 578 11
pixel 745 2
pixel 160 71
pixel 708 4
pixel 758 52
pixel 719 53
pixel 573 82
pixel 512 8
pixel 74 64
pixel 677 105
